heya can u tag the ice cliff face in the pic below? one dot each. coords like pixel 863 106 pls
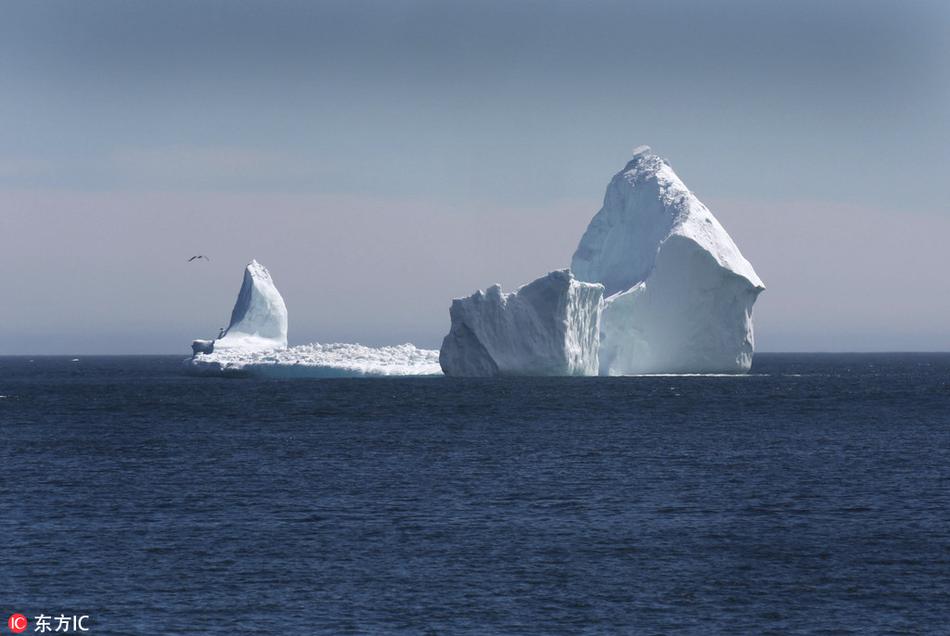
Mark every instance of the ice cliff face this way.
pixel 548 327
pixel 680 293
pixel 259 317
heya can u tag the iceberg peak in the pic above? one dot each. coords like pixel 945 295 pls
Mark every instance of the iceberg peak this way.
pixel 646 203
pixel 259 317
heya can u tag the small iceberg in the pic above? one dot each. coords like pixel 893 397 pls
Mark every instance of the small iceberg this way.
pixel 255 344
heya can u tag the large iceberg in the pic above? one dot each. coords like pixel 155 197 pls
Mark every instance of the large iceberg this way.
pixel 679 292
pixel 656 285
pixel 255 344
pixel 550 326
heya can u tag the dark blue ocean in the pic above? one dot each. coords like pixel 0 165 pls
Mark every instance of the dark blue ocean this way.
pixel 812 496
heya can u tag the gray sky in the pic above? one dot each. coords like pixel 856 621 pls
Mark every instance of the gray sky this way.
pixel 381 158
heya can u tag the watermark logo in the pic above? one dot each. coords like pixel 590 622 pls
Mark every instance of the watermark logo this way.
pixel 63 624
pixel 17 623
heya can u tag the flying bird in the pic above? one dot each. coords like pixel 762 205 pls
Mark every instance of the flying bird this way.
pixel 199 257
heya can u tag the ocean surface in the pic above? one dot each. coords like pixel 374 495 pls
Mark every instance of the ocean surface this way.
pixel 810 497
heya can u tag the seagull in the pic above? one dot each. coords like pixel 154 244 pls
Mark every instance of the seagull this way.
pixel 199 257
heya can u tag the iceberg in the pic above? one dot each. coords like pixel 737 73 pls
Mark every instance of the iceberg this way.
pixel 258 320
pixel 259 317
pixel 550 326
pixel 255 344
pixel 679 292
pixel 656 286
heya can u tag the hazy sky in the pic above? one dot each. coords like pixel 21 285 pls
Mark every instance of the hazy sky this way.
pixel 381 158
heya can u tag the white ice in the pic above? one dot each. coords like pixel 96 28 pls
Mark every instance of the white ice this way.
pixel 547 327
pixel 259 317
pixel 680 293
pixel 255 344
pixel 679 297
pixel 320 361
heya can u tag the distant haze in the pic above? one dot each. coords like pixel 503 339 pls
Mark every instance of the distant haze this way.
pixel 381 158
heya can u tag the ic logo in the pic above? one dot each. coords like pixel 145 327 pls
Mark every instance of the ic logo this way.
pixel 17 623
